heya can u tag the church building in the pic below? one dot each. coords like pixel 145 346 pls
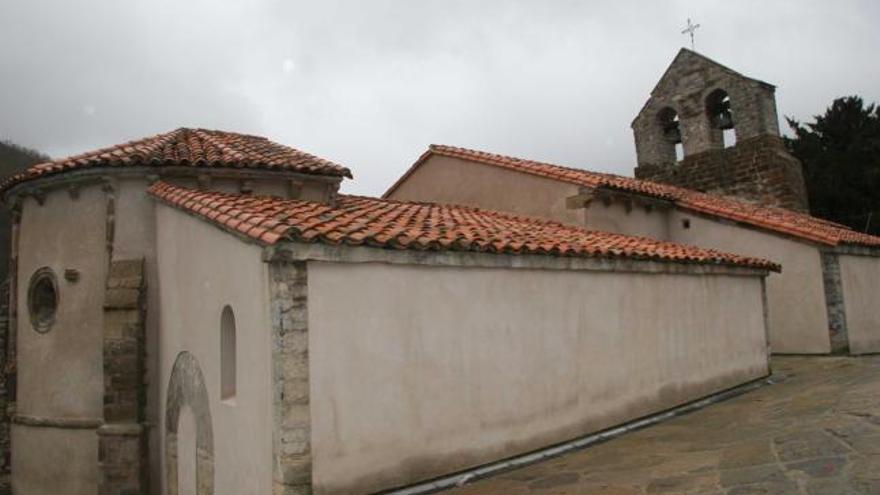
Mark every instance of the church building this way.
pixel 204 312
pixel 713 172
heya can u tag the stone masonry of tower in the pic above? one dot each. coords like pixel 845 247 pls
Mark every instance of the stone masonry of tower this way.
pixel 756 168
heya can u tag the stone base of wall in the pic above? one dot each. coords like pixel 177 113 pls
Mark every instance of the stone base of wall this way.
pixel 759 170
pixel 121 459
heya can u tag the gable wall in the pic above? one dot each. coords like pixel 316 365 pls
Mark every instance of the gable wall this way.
pixel 442 179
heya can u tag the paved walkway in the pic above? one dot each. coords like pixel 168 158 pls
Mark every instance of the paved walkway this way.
pixel 816 432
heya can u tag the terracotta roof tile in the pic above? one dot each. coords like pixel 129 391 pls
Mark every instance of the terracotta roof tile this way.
pixel 190 148
pixel 780 220
pixel 356 221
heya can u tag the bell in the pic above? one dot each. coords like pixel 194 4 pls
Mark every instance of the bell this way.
pixel 724 120
pixel 672 133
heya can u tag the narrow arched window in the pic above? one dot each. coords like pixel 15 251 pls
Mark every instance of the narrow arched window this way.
pixel 227 354
pixel 720 113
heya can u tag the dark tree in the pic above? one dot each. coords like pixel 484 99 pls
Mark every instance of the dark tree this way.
pixel 13 158
pixel 840 151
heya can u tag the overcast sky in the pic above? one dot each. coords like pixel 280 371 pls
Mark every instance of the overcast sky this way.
pixel 370 83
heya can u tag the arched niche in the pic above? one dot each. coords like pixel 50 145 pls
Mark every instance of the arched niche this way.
pixel 186 388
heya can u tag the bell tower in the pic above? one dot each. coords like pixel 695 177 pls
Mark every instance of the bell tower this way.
pixel 709 128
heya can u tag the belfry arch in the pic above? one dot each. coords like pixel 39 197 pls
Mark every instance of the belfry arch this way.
pixel 186 388
pixel 719 112
pixel 670 126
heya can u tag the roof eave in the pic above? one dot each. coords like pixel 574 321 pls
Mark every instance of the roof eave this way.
pixel 63 177
pixel 294 250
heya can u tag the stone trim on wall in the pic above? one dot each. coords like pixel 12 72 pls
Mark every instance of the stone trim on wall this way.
pixel 60 423
pixel 834 302
pixel 291 417
pixel 765 304
pixel 110 219
pixel 122 439
pixel 186 387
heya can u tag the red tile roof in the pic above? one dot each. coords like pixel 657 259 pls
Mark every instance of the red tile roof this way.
pixel 357 221
pixel 190 148
pixel 775 219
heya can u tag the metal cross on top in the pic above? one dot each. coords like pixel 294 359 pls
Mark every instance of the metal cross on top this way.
pixel 691 27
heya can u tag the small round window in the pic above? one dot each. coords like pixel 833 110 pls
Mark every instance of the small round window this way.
pixel 43 299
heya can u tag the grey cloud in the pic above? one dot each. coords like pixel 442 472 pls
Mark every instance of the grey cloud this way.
pixel 371 83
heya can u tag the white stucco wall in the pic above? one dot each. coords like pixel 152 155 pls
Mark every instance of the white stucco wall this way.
pixel 60 373
pixel 859 277
pixel 202 269
pixel 418 371
pixel 637 220
pixel 798 317
pixel 442 179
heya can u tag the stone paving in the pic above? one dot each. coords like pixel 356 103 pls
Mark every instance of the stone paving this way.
pixel 816 431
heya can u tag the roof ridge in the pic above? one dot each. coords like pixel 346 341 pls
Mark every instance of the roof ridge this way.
pixel 221 131
pixel 598 176
pixel 208 137
pixel 105 149
pixel 441 147
pixel 579 170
